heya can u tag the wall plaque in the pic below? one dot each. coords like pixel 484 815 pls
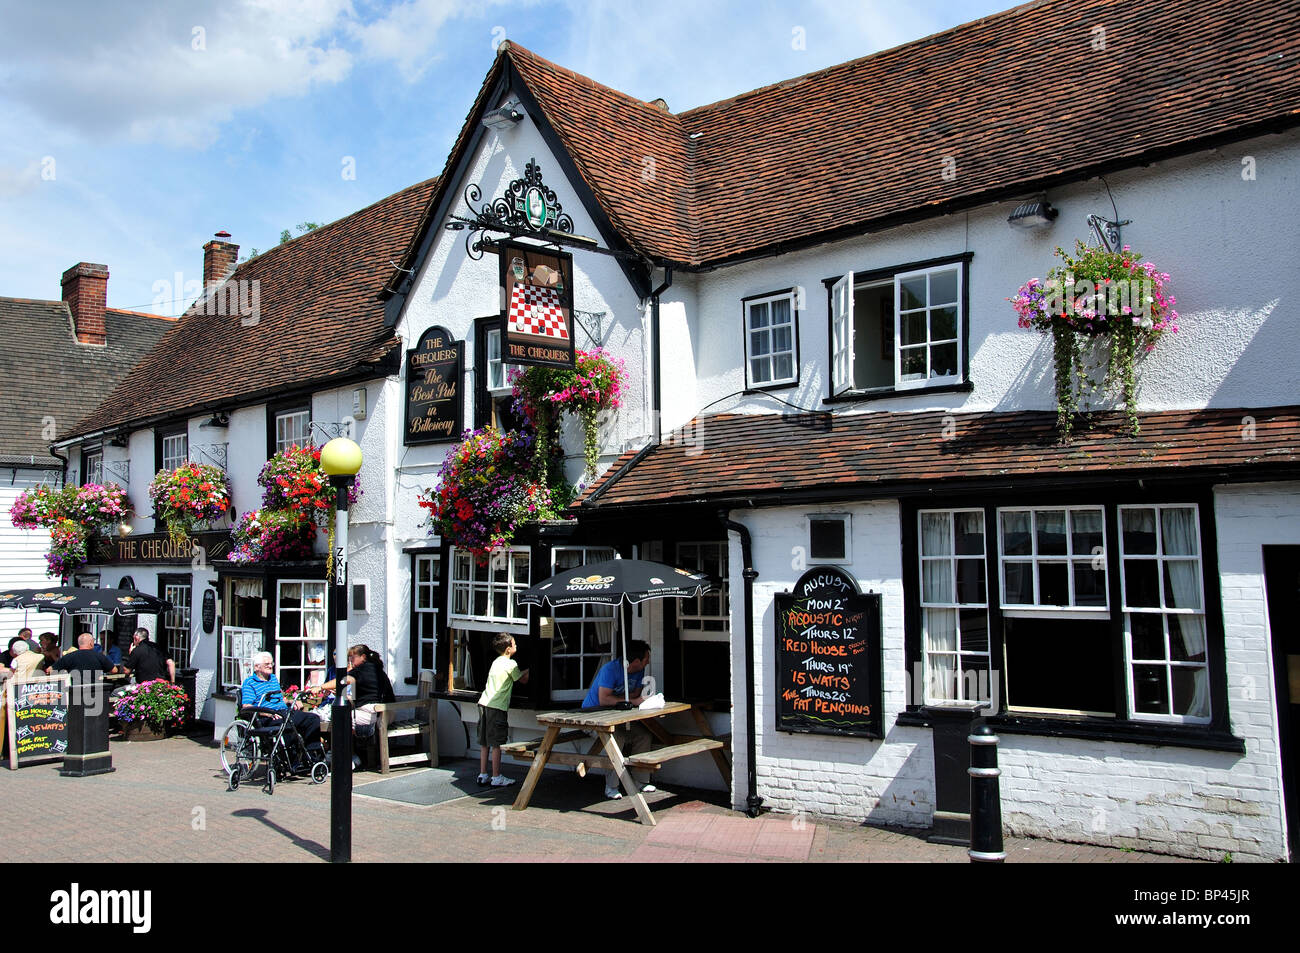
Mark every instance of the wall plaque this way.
pixel 434 405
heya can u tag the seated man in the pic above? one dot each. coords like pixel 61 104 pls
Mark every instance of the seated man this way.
pixel 608 690
pixel 262 690
pixel 86 661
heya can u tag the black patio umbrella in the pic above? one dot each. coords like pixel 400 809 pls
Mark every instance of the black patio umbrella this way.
pixel 77 600
pixel 613 582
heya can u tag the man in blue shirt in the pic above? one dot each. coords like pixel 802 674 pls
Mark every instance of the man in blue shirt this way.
pixel 262 690
pixel 607 690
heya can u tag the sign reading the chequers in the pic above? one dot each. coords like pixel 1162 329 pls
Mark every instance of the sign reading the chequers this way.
pixel 828 657
pixel 434 370
pixel 537 305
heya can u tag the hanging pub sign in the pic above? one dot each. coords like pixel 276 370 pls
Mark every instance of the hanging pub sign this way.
pixel 537 299
pixel 434 371
pixel 828 657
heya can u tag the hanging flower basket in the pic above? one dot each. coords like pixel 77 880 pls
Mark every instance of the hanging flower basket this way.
pixel 293 479
pixel 72 515
pixel 269 535
pixel 1103 309
pixel 190 495
pixel 542 394
pixel 487 491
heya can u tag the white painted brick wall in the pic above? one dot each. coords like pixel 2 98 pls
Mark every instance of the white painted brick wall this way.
pixel 1180 801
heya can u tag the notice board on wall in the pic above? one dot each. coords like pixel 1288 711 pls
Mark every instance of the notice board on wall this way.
pixel 36 717
pixel 828 657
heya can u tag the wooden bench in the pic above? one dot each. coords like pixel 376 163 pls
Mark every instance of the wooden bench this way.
pixel 654 760
pixel 424 725
pixel 527 750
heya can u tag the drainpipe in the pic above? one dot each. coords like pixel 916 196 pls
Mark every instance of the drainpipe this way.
pixel 752 801
pixel 656 387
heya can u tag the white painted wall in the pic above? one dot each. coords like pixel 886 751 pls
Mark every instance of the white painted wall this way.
pixel 1180 801
pixel 22 552
pixel 1228 243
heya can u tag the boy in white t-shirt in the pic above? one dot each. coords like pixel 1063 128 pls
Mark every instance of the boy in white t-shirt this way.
pixel 494 708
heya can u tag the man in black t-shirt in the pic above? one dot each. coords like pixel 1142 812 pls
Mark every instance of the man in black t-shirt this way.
pixel 85 659
pixel 147 661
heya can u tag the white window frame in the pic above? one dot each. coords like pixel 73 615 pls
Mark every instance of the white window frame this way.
pixel 928 380
pixel 177 620
pixel 845 520
pixel 1035 609
pixel 424 599
pixel 695 626
pixel 951 557
pixel 303 636
pixel 772 354
pixel 492 361
pixel 581 615
pixel 480 577
pixel 1160 558
pixel 171 460
pixel 843 346
pixel 284 421
pixel 93 462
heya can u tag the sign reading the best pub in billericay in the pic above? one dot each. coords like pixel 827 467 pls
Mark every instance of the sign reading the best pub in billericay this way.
pixel 828 657
pixel 537 293
pixel 434 370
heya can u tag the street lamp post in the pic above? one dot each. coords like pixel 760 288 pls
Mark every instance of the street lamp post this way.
pixel 340 459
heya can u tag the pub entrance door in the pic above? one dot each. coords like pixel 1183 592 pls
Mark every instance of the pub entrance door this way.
pixel 1282 582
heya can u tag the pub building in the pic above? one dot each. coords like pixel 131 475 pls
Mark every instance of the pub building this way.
pixel 830 408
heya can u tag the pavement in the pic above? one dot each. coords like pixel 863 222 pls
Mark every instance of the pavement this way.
pixel 172 796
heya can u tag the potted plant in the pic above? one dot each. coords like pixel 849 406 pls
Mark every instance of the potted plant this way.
pixel 272 535
pixel 593 385
pixel 147 710
pixel 72 515
pixel 191 494
pixel 487 490
pixel 1104 309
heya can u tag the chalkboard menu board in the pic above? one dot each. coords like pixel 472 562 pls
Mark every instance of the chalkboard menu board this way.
pixel 435 368
pixel 36 712
pixel 828 657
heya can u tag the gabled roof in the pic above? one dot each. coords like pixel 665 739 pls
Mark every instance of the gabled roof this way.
pixel 1036 96
pixel 319 320
pixel 890 454
pixel 50 378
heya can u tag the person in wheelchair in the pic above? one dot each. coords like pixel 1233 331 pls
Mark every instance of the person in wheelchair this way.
pixel 262 690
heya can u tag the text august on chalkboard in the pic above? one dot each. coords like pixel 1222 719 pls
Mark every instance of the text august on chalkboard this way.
pixel 37 713
pixel 828 657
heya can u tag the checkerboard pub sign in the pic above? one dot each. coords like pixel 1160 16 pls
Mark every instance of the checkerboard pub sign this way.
pixel 537 295
pixel 434 370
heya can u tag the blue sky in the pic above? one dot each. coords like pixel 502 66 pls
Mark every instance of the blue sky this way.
pixel 135 130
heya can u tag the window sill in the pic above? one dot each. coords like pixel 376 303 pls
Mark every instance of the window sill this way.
pixel 1103 729
pixel 858 396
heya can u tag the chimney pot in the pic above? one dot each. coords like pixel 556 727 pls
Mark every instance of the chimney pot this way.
pixel 85 291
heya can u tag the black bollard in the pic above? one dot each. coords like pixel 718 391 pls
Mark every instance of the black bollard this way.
pixel 87 731
pixel 985 798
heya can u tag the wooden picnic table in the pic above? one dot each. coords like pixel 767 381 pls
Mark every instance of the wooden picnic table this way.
pixel 565 726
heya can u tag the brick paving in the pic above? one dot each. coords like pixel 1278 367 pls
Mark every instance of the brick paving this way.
pixel 175 791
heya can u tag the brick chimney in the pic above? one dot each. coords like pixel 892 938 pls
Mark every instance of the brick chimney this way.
pixel 85 289
pixel 219 259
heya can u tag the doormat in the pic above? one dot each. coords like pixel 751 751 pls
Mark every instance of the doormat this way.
pixel 428 786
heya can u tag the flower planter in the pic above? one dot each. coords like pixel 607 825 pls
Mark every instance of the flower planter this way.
pixel 141 731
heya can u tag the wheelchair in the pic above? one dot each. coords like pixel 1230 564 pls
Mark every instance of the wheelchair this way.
pixel 265 738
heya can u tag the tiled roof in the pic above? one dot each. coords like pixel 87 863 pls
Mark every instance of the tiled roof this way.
pixel 1018 100
pixel 735 457
pixel 319 319
pixel 51 379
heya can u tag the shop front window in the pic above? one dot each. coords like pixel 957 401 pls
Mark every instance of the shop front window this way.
pixel 301 642
pixel 582 635
pixel 241 629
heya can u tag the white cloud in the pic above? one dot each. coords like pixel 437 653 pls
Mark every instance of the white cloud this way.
pixel 159 71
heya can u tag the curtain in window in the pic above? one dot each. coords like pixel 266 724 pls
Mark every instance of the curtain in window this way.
pixel 1183 591
pixel 936 540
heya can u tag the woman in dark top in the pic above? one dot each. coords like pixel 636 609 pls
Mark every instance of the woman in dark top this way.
pixel 50 649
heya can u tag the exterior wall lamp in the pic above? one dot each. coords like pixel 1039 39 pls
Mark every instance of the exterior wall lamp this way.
pixel 1036 214
pixel 503 118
